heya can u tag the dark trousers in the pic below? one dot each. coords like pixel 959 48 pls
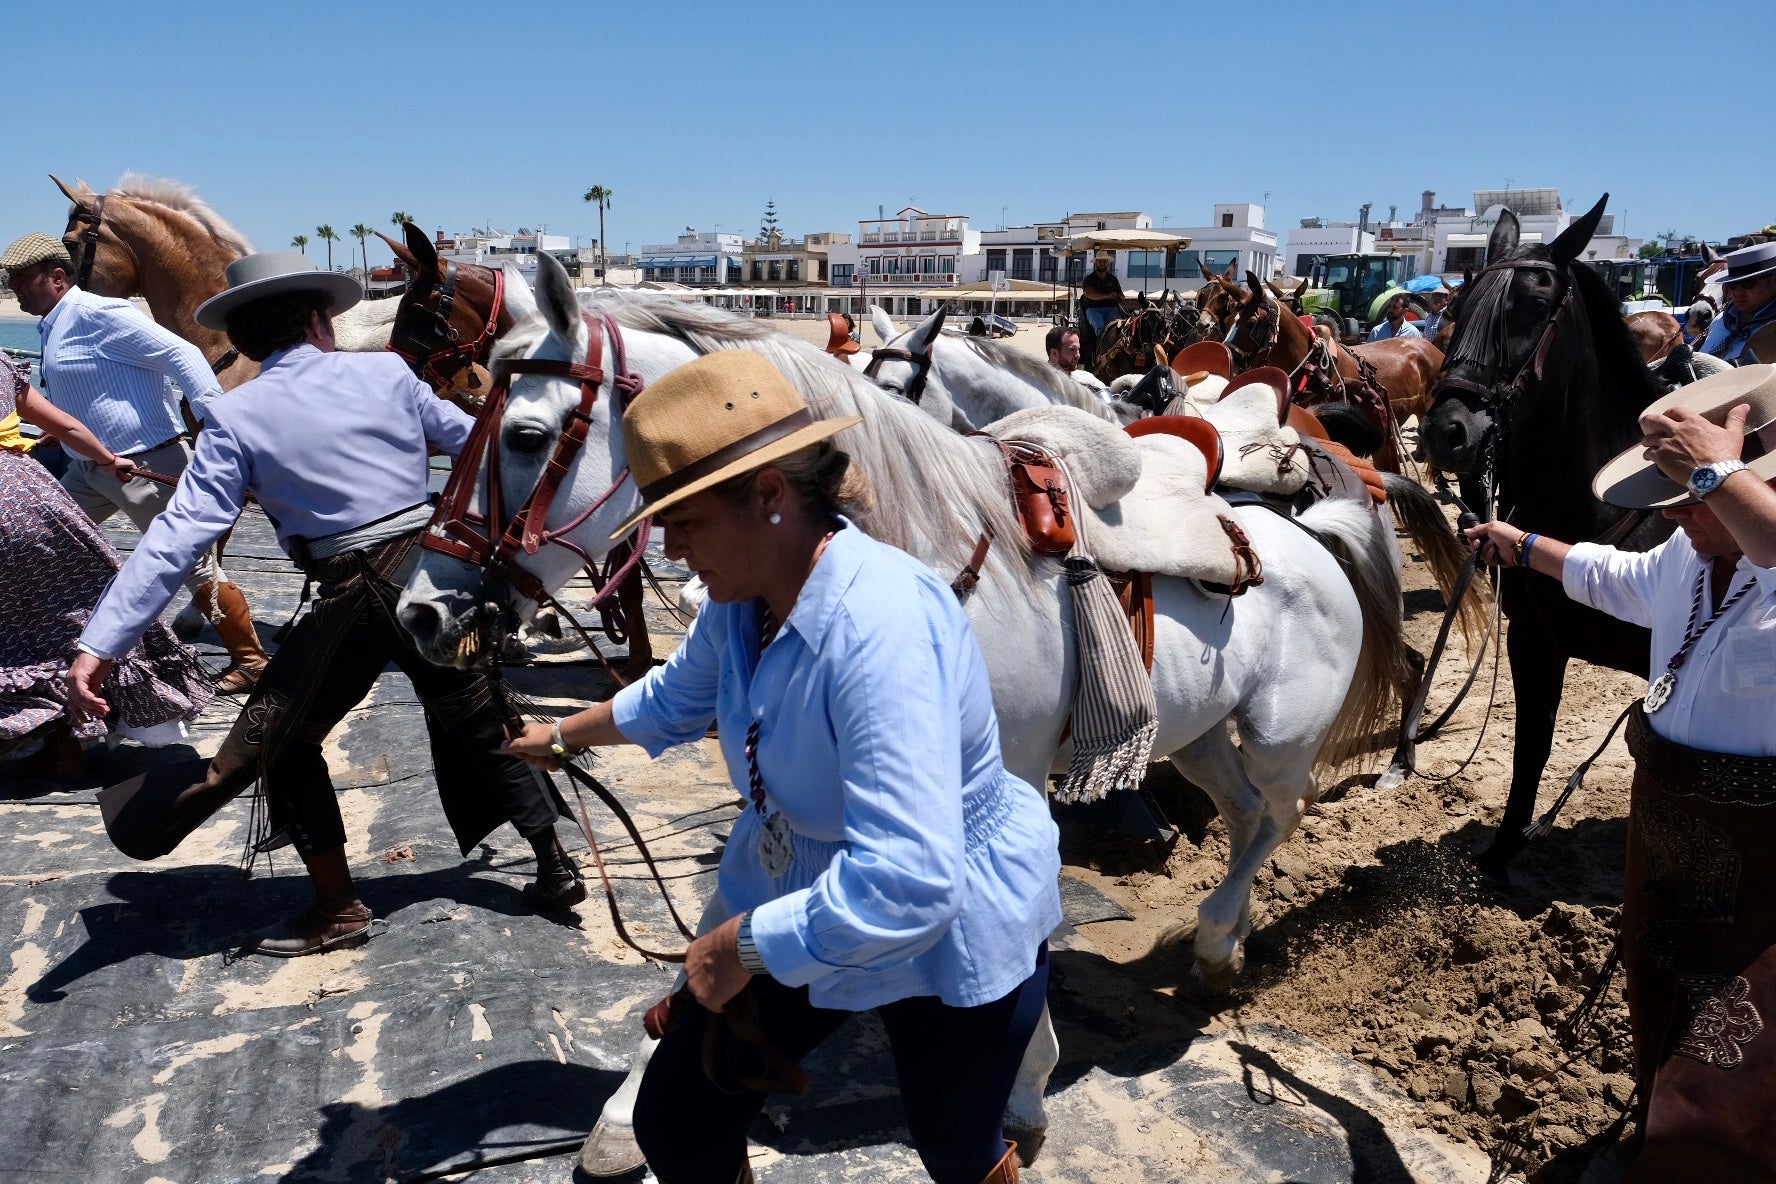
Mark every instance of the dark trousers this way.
pixel 328 665
pixel 956 1067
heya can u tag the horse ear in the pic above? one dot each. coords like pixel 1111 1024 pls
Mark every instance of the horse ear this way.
pixel 1300 289
pixel 1709 254
pixel 883 324
pixel 1503 239
pixel 1256 284
pixel 1228 274
pixel 1207 274
pixel 68 193
pixel 928 330
pixel 425 252
pixel 401 253
pixel 1571 243
pixel 519 298
pixel 555 297
pixel 1276 291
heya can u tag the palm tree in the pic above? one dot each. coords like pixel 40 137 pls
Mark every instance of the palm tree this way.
pixel 362 232
pixel 326 235
pixel 602 196
pixel 400 219
pixel 300 242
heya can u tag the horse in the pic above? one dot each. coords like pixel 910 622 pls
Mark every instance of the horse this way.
pixel 1218 301
pixel 1655 333
pixel 1401 370
pixel 969 382
pixel 157 239
pixel 1301 666
pixel 1543 384
pixel 447 318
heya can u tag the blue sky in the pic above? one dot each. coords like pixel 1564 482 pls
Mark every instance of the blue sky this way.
pixel 285 116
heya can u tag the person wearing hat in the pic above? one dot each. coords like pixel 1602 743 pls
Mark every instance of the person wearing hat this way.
pixel 883 857
pixel 1431 323
pixel 1100 301
pixel 1699 916
pixel 108 366
pixel 1749 286
pixel 334 446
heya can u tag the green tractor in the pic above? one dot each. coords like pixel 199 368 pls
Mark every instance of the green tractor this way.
pixel 1352 289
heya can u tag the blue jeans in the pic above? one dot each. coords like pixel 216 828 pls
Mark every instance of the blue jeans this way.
pixel 1101 317
pixel 956 1067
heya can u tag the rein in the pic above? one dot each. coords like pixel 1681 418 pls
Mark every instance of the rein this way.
pixel 89 239
pixel 921 363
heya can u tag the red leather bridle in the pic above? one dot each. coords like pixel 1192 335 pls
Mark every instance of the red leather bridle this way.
pixel 491 540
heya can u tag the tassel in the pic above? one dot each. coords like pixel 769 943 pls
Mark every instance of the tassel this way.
pixel 1114 711
pixel 1545 823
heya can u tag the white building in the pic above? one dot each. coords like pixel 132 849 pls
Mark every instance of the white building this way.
pixel 1314 240
pixel 1237 236
pixel 897 258
pixel 701 259
pixel 491 248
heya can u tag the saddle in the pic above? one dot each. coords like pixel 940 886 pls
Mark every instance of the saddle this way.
pixel 838 341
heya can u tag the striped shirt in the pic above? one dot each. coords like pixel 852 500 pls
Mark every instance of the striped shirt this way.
pixel 109 366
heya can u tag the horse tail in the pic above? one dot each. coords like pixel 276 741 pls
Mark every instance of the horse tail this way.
pixel 1422 518
pixel 1362 541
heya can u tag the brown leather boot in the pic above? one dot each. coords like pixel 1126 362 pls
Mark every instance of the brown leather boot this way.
pixel 227 610
pixel 60 759
pixel 337 919
pixel 1006 1170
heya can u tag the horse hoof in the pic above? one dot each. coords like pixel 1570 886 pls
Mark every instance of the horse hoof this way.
pixel 1393 778
pixel 1029 1140
pixel 610 1150
pixel 1494 867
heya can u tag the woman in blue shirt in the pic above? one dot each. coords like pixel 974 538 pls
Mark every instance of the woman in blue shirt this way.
pixel 884 858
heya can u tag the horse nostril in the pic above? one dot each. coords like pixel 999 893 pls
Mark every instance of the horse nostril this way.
pixel 421 621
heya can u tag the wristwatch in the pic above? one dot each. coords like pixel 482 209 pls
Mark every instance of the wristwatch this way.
pixel 1706 479
pixel 558 746
pixel 747 948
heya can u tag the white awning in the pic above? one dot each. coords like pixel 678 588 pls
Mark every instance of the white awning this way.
pixel 1121 240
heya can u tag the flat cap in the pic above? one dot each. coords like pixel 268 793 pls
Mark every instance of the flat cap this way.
pixel 35 247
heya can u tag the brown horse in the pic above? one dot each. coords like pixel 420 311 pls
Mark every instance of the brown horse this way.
pixel 158 240
pixel 1655 333
pixel 1218 302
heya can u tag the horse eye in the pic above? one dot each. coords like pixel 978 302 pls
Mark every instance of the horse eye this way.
pixel 526 439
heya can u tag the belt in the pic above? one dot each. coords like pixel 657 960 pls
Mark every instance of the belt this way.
pixel 156 447
pixel 1717 777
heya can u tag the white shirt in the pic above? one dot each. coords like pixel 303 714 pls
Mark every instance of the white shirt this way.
pixel 1725 700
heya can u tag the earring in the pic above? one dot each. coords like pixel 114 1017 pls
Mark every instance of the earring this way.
pixel 776 520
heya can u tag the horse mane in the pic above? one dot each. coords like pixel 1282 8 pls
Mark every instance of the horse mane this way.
pixel 1040 374
pixel 181 198
pixel 1623 377
pixel 905 454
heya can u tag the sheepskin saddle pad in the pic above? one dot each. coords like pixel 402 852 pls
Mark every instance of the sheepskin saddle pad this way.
pixel 1259 455
pixel 1141 503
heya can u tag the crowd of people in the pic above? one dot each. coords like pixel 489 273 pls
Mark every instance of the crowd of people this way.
pixel 884 858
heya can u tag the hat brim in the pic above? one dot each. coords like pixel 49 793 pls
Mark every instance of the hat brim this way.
pixel 343 291
pixel 1724 280
pixel 814 433
pixel 1630 482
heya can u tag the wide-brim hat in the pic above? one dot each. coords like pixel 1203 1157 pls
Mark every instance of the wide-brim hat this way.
pixel 711 420
pixel 273 273
pixel 1747 263
pixel 1632 482
pixel 28 250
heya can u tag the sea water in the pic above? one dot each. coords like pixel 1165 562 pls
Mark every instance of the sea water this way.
pixel 21 333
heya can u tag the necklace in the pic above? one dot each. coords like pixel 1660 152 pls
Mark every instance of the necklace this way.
pixel 776 839
pixel 1660 692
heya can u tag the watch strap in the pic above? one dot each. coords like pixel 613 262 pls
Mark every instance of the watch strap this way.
pixel 1719 470
pixel 747 948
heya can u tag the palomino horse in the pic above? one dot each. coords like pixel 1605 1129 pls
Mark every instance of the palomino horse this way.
pixel 1301 665
pixel 969 382
pixel 1264 333
pixel 159 240
pixel 1543 384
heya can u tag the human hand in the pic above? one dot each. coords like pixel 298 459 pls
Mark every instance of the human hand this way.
pixel 712 966
pixel 122 468
pixel 533 747
pixel 1497 542
pixel 86 678
pixel 1680 441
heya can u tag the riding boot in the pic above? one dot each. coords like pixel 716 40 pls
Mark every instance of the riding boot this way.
pixel 227 609
pixel 558 884
pixel 1006 1170
pixel 335 920
pixel 60 759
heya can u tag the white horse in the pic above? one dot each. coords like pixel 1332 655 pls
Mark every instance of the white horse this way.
pixel 1299 665
pixel 971 382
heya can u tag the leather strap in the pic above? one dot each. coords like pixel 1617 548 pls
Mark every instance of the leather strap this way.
pixel 722 457
pixel 969 577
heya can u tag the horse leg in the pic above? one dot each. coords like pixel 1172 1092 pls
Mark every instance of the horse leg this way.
pixel 1538 674
pixel 1405 759
pixel 1026 1118
pixel 1213 762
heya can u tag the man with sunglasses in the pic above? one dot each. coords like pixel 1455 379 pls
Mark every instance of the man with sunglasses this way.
pixel 1749 282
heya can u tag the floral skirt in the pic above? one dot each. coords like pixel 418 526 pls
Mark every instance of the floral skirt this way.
pixel 54 565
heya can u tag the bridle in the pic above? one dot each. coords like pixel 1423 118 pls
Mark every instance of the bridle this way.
pixel 493 541
pixel 1504 398
pixel 1262 338
pixel 424 337
pixel 94 220
pixel 920 362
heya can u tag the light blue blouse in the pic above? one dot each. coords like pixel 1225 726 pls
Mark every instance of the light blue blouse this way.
pixel 921 867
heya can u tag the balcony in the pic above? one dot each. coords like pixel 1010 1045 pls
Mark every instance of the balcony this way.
pixel 872 238
pixel 928 235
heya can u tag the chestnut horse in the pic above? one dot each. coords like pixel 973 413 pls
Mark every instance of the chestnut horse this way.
pixel 1655 333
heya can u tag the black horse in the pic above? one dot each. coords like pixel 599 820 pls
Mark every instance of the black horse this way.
pixel 1541 386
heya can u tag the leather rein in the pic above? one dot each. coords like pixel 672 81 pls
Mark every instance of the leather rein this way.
pixel 494 541
pixel 425 338
pixel 921 364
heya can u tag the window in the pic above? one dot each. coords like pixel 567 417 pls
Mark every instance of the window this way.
pixel 894 265
pixel 1045 266
pixel 822 275
pixel 1461 258
pixel 1102 226
pixel 1219 261
pixel 1075 268
pixel 733 273
pixel 995 261
pixel 774 269
pixel 706 275
pixel 758 270
pixel 1145 265
pixel 841 274
pixel 792 270
pixel 875 265
pixel 946 263
pixel 1022 264
pixel 927 264
pixel 1227 219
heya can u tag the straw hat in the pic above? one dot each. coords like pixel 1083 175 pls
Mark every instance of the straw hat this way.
pixel 34 248
pixel 272 273
pixel 714 418
pixel 1635 483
